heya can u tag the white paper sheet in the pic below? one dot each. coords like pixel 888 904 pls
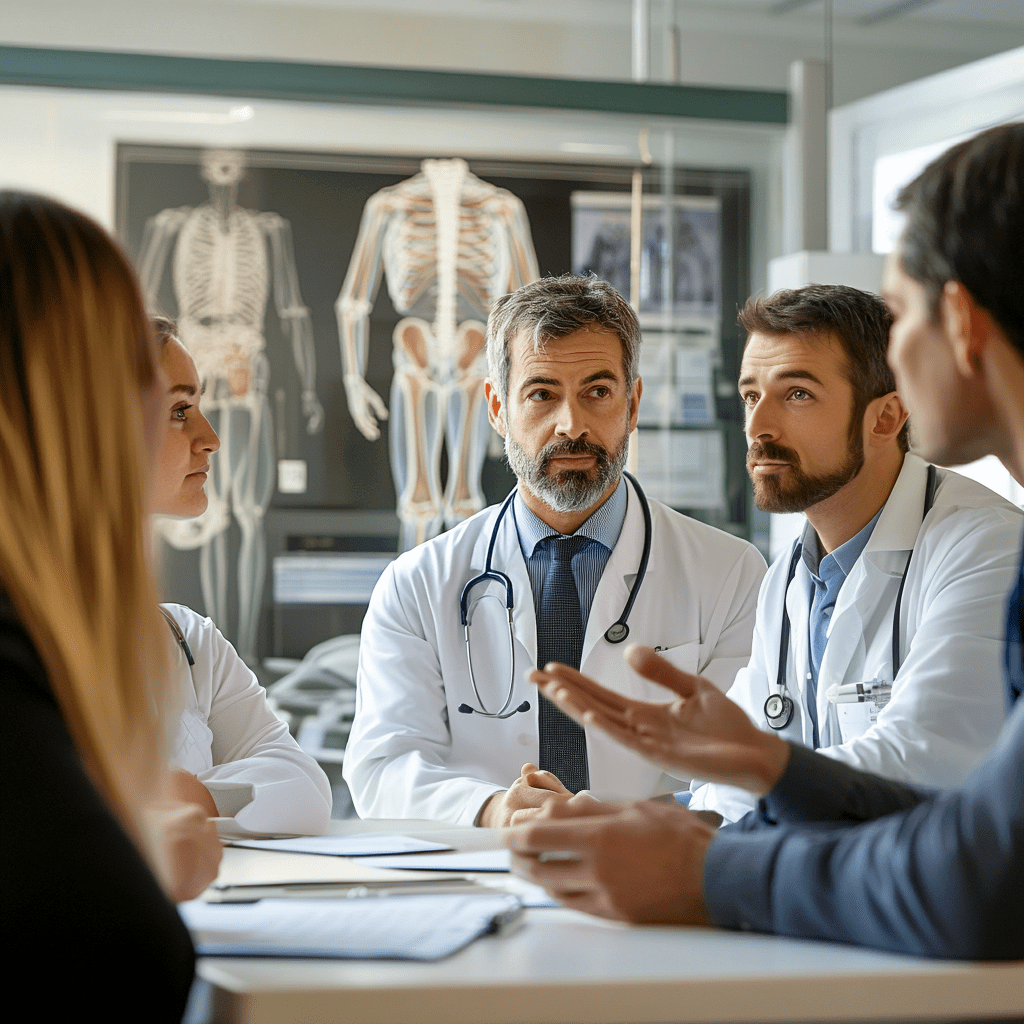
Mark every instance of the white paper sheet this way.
pixel 362 845
pixel 479 860
pixel 392 927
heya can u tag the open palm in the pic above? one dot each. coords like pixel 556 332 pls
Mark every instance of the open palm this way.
pixel 700 733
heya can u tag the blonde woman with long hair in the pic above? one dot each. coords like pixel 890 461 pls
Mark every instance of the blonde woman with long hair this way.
pixel 83 649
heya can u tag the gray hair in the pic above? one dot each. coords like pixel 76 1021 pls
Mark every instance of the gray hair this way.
pixel 553 308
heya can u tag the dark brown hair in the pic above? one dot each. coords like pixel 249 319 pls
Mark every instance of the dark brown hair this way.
pixel 965 222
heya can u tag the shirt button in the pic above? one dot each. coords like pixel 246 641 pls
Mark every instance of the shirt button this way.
pixel 523 739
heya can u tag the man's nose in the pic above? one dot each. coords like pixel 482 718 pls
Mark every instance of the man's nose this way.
pixel 760 423
pixel 571 421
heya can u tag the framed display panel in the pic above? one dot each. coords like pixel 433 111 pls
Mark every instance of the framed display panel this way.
pixel 322 196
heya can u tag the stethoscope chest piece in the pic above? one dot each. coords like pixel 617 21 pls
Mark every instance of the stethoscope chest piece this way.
pixel 778 711
pixel 616 632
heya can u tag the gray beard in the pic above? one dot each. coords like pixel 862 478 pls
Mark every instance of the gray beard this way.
pixel 572 490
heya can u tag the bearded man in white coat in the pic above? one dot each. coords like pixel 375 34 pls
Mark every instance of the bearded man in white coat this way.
pixel 438 737
pixel 894 592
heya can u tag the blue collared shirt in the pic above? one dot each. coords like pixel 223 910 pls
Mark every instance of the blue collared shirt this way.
pixel 603 526
pixel 828 575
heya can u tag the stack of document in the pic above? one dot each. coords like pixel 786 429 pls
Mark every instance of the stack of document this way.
pixel 355 896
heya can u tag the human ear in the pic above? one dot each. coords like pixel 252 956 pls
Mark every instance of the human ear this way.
pixel 965 325
pixel 634 402
pixel 884 418
pixel 495 409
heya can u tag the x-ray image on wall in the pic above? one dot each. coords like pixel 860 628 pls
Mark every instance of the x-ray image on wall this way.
pixel 680 259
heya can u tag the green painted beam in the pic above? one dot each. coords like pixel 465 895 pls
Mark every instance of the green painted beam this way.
pixel 339 83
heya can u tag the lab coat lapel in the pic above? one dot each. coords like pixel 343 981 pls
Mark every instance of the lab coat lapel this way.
pixel 619 573
pixel 874 580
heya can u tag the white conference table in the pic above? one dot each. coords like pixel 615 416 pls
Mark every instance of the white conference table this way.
pixel 562 967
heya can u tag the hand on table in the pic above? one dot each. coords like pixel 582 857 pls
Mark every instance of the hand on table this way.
pixel 702 733
pixel 184 786
pixel 524 799
pixel 643 862
pixel 184 847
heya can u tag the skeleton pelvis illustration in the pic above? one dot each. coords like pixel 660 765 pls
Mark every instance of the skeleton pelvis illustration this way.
pixel 437 396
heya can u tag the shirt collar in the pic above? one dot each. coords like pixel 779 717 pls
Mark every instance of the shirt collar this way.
pixel 845 556
pixel 604 525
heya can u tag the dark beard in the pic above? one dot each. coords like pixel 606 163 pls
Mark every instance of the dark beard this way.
pixel 798 490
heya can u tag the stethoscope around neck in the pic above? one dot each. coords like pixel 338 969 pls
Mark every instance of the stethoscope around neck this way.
pixel 616 633
pixel 778 708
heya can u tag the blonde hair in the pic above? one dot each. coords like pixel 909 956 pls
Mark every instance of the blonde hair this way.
pixel 75 353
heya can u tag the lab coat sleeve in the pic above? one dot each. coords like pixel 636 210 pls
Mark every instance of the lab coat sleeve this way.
pixel 396 761
pixel 948 700
pixel 260 776
pixel 938 878
pixel 726 646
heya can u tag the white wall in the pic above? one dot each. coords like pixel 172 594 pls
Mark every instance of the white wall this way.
pixel 720 44
pixel 938 109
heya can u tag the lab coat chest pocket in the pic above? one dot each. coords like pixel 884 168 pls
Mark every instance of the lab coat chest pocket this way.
pixel 682 656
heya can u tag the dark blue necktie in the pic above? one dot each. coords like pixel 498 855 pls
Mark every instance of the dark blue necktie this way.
pixel 563 743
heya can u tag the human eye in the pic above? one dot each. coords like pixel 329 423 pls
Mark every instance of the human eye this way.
pixel 600 391
pixel 748 398
pixel 179 411
pixel 800 394
pixel 538 395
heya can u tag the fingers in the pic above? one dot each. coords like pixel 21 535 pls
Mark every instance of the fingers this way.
pixel 647 663
pixel 582 690
pixel 535 778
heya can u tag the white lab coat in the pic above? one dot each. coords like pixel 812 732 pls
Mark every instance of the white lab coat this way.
pixel 411 753
pixel 237 747
pixel 948 701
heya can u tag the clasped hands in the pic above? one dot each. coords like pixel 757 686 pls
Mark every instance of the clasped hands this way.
pixel 643 861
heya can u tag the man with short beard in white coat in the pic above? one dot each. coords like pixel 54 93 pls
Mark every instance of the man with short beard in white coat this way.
pixel 919 700
pixel 431 739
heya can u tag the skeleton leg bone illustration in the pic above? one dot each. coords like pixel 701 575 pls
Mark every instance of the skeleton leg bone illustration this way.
pixel 224 260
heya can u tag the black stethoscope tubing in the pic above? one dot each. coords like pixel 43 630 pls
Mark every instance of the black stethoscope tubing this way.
pixel 616 633
pixel 179 636
pixel 778 708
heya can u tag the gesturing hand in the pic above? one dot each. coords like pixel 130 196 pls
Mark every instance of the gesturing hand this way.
pixel 702 733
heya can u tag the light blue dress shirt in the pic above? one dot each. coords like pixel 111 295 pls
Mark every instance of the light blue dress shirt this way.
pixel 603 526
pixel 828 575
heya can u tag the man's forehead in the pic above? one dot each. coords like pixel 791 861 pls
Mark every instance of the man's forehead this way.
pixel 819 352
pixel 570 352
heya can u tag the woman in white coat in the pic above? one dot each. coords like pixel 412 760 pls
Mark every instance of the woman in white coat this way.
pixel 231 753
